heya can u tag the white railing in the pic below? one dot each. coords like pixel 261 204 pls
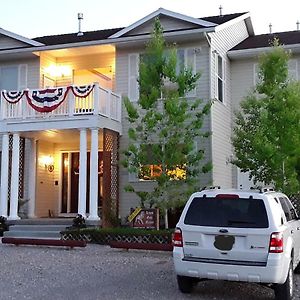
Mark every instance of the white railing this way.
pixel 100 101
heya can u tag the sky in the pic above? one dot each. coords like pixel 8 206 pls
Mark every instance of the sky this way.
pixel 34 18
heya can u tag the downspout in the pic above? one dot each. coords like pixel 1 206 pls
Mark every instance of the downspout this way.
pixel 211 96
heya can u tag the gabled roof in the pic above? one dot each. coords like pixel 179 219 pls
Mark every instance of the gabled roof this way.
pixel 264 40
pixel 74 38
pixel 200 23
pixel 222 19
pixel 165 12
pixel 20 38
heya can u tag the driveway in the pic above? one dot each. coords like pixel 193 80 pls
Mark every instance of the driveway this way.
pixel 98 272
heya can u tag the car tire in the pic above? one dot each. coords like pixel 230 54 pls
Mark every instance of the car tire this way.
pixel 185 284
pixel 297 270
pixel 285 291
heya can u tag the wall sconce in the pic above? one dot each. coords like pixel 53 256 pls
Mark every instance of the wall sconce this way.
pixel 48 162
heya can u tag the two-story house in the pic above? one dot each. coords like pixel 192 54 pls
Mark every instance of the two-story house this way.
pixel 62 122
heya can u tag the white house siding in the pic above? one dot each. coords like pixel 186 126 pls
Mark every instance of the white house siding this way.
pixel 46 191
pixel 8 43
pixel 167 23
pixel 128 200
pixel 221 125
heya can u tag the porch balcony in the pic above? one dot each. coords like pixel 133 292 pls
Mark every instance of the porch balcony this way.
pixel 65 107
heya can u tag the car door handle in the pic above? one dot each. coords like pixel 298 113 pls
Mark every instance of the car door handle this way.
pixel 292 231
pixel 298 228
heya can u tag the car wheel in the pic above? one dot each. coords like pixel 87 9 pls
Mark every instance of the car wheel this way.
pixel 186 284
pixel 285 291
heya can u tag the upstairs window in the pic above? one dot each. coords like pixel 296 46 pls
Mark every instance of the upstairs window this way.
pixel 185 58
pixel 13 78
pixel 219 78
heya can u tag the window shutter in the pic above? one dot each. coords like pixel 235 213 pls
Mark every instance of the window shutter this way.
pixel 133 86
pixel 190 61
pixel 255 74
pixel 22 77
pixel 292 67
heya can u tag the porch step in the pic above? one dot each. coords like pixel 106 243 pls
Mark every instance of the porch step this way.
pixel 37 231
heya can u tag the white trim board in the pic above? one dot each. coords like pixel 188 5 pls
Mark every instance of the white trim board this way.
pixel 165 12
pixel 20 38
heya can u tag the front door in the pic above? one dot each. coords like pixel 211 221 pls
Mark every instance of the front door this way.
pixel 70 181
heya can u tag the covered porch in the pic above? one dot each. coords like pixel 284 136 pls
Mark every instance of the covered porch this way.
pixel 59 173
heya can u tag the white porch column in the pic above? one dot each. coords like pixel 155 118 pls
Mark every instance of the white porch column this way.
pixel 82 173
pixel 4 175
pixel 32 179
pixel 94 176
pixel 14 188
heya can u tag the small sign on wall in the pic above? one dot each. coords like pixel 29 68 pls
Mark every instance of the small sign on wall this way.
pixel 146 218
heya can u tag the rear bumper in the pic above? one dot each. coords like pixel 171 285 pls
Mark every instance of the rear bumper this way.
pixel 275 271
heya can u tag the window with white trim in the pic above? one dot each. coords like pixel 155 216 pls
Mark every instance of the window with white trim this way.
pixel 219 77
pixel 186 57
pixel 13 77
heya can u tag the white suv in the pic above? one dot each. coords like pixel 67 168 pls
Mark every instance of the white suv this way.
pixel 235 235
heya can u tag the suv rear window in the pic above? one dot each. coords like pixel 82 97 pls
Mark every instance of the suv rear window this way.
pixel 227 212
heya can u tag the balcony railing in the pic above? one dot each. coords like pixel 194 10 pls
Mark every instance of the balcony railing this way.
pixel 67 101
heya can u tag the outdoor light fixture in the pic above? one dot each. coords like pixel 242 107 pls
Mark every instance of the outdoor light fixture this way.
pixel 48 162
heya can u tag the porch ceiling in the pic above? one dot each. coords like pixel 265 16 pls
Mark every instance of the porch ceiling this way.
pixel 79 51
pixel 57 136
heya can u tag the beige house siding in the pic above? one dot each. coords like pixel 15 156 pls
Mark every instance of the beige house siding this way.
pixel 46 191
pixel 7 43
pixel 221 125
pixel 129 200
pixel 167 23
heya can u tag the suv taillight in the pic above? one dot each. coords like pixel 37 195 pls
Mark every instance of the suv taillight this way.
pixel 276 242
pixel 177 238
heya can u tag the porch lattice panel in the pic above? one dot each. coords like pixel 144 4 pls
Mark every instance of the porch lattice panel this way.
pixel 110 176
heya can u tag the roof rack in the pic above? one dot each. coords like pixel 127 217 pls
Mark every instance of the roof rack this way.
pixel 213 187
pixel 266 189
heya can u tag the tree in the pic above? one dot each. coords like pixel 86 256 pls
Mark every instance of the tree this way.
pixel 164 126
pixel 266 133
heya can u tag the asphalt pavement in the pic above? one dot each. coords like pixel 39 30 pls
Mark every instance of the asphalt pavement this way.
pixel 99 272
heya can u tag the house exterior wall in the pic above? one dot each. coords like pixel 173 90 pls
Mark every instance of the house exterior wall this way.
pixel 7 43
pixel 46 191
pixel 221 113
pixel 129 200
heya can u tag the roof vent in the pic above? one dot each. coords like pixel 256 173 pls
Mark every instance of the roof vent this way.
pixel 221 8
pixel 298 23
pixel 270 27
pixel 80 18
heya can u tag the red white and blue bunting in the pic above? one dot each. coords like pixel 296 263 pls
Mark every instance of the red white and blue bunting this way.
pixel 12 96
pixel 46 100
pixel 49 99
pixel 82 91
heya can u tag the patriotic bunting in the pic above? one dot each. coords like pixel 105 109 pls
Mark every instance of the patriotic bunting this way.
pixel 12 96
pixel 46 100
pixel 49 99
pixel 82 91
